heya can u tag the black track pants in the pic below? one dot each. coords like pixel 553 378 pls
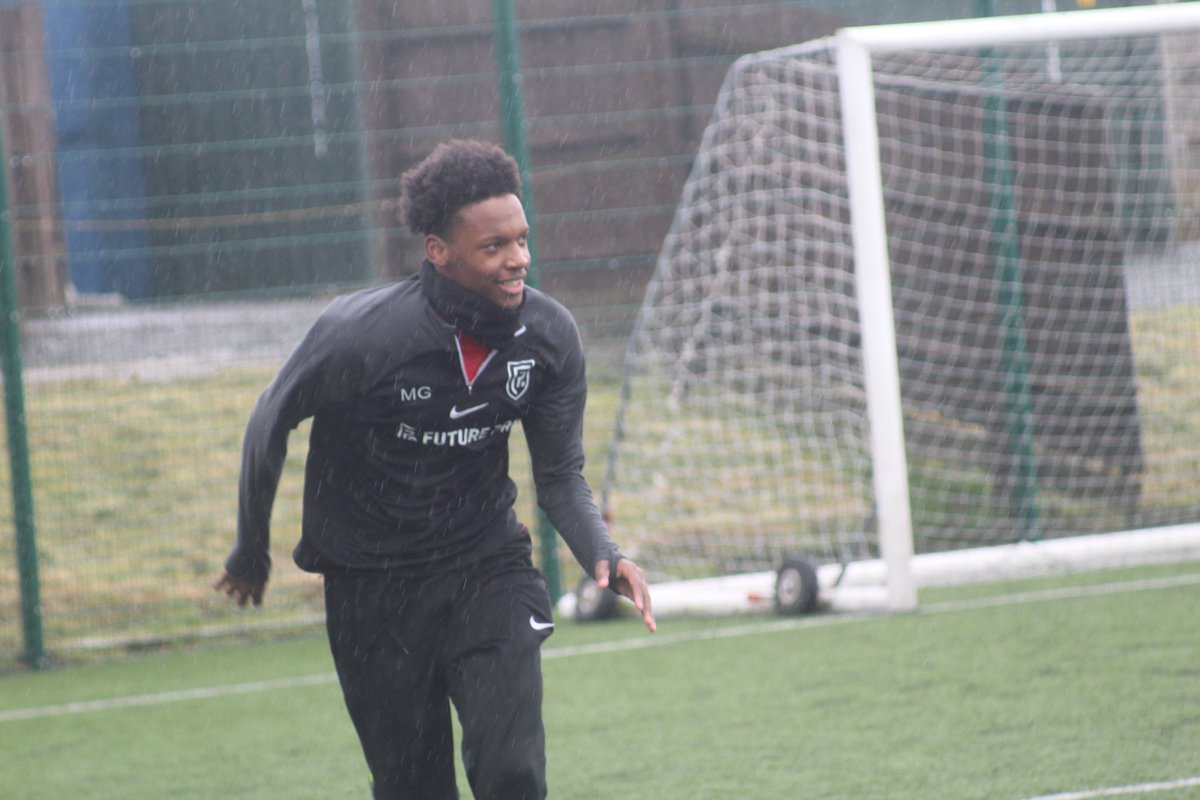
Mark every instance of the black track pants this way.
pixel 404 647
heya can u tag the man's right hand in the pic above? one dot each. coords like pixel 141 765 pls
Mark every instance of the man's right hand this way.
pixel 244 591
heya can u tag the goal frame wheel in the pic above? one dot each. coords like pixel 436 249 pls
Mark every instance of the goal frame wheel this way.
pixel 592 603
pixel 796 588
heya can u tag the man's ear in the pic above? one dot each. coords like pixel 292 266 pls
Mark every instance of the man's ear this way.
pixel 436 250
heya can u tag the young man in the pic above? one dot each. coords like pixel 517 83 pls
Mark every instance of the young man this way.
pixel 431 596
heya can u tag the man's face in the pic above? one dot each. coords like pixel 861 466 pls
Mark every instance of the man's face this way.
pixel 486 250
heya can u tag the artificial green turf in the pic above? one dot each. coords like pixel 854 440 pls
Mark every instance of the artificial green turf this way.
pixel 986 701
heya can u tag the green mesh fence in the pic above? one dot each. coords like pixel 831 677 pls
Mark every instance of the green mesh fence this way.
pixel 192 180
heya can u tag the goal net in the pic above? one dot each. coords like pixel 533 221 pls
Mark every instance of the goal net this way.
pixel 1039 268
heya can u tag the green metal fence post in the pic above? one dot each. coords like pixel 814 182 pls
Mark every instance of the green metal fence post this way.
pixel 363 147
pixel 512 109
pixel 18 439
pixel 1023 493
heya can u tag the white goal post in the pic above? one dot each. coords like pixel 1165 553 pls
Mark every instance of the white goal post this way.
pixel 855 49
pixel 928 312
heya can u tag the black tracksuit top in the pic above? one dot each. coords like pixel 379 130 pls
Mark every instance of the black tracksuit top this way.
pixel 408 463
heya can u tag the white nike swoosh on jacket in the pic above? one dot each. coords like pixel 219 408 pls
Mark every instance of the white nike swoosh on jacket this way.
pixel 456 414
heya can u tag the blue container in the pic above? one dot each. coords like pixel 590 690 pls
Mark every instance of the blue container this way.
pixel 89 56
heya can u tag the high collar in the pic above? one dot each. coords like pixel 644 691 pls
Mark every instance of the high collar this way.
pixel 469 312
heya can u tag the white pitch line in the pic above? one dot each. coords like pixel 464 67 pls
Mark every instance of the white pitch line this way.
pixel 131 701
pixel 211 692
pixel 1098 590
pixel 1116 791
pixel 616 646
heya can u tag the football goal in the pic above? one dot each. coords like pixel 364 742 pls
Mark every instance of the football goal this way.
pixel 929 311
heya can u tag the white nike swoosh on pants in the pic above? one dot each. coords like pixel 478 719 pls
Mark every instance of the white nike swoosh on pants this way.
pixel 539 626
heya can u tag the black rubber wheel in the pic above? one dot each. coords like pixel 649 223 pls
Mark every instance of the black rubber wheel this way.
pixel 593 603
pixel 796 587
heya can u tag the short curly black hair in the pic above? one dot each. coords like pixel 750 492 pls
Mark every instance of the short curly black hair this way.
pixel 456 174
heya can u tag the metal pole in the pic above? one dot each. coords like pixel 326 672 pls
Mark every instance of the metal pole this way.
pixel 1026 28
pixel 18 439
pixel 1010 308
pixel 370 240
pixel 876 314
pixel 512 111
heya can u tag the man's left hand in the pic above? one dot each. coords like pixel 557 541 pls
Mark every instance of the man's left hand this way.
pixel 629 582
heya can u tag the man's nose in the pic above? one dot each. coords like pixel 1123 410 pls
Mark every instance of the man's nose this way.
pixel 518 257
